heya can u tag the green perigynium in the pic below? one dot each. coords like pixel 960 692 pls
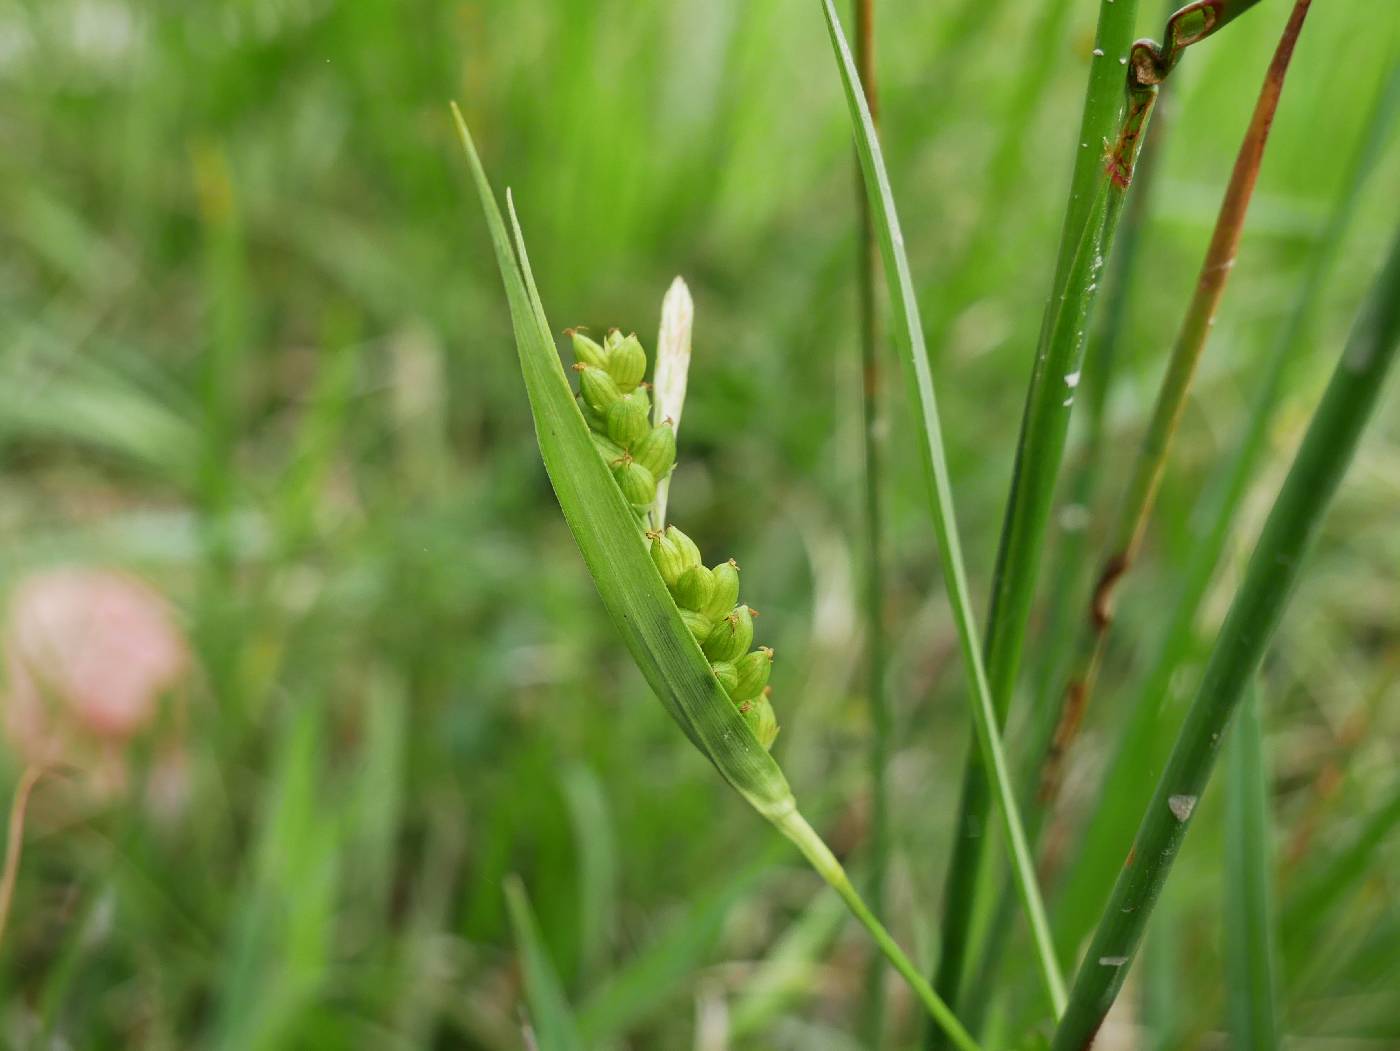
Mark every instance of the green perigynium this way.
pixel 599 389
pixel 694 588
pixel 627 421
pixel 636 482
pixel 731 637
pixel 586 351
pixel 617 406
pixel 627 364
pixel 656 450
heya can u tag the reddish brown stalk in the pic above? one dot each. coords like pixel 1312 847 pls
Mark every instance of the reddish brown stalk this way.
pixel 1126 540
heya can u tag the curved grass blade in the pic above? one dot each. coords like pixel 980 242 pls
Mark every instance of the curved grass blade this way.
pixel 909 337
pixel 1258 606
pixel 1250 965
pixel 637 600
pixel 549 1012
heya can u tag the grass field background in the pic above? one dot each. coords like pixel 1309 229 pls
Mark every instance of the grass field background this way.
pixel 255 351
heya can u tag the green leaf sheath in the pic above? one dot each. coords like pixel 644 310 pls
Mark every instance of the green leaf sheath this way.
pixel 1090 219
pixel 1273 568
pixel 909 337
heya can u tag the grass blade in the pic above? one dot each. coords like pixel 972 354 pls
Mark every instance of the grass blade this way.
pixel 1258 605
pixel 550 1016
pixel 636 597
pixel 909 336
pixel 1250 964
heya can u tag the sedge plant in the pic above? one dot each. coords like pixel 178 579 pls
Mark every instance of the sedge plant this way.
pixel 668 612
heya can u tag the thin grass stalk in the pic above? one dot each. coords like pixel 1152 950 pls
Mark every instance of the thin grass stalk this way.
pixel 867 283
pixel 636 598
pixel 1126 783
pixel 1251 968
pixel 1272 572
pixel 1126 539
pixel 1095 199
pixel 909 335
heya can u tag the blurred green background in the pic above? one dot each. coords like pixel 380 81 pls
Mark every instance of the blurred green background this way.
pixel 255 350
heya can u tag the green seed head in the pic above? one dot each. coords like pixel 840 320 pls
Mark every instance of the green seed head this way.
pixel 599 389
pixel 731 637
pixel 694 588
pixel 627 422
pixel 627 363
pixel 726 592
pixel 611 340
pixel 586 351
pixel 686 546
pixel 636 482
pixel 727 675
pixel 670 563
pixel 698 623
pixel 656 451
pixel 753 669
pixel 762 720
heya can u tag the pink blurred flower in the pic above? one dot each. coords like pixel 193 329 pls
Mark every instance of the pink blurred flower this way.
pixel 89 654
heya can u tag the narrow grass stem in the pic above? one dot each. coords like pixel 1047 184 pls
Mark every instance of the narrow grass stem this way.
pixel 867 282
pixel 1136 510
pixel 909 333
pixel 1250 957
pixel 1272 571
pixel 14 840
pixel 796 828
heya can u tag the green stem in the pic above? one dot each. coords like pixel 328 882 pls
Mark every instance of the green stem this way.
pixel 1125 786
pixel 1095 200
pixel 909 333
pixel 1136 510
pixel 1273 569
pixel 795 827
pixel 1250 966
pixel 868 263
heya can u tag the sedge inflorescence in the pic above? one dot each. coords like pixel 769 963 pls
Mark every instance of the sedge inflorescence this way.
pixel 617 405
